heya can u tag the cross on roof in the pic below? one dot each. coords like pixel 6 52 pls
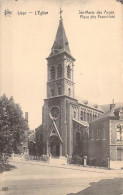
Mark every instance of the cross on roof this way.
pixel 60 13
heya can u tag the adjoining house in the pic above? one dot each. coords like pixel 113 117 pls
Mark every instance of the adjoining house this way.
pixel 106 138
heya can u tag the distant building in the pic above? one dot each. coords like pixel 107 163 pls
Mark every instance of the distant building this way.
pixel 32 143
pixel 24 146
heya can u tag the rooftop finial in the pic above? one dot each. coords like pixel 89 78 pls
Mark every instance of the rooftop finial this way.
pixel 60 13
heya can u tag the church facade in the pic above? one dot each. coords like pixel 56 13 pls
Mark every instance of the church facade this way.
pixel 65 119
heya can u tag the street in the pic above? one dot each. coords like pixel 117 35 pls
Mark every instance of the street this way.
pixel 31 177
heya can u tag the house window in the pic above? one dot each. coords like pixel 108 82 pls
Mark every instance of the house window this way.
pixel 98 133
pixel 59 71
pixel 81 115
pixel 59 90
pixel 69 92
pixel 103 134
pixel 78 139
pixel 52 72
pixel 52 92
pixel 68 72
pixel 119 133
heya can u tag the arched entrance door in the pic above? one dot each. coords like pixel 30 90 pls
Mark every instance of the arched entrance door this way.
pixel 54 146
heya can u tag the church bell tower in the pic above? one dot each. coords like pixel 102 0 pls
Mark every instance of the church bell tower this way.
pixel 60 65
pixel 60 89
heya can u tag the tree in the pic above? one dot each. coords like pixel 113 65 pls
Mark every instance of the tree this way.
pixel 12 125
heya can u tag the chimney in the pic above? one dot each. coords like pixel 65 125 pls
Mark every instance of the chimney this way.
pixel 112 105
pixel 26 116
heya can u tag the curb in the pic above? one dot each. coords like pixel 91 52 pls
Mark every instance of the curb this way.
pixel 72 167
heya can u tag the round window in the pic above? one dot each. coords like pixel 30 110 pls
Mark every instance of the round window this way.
pixel 54 112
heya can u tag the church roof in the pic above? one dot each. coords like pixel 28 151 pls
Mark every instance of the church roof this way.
pixel 83 123
pixel 61 42
pixel 89 104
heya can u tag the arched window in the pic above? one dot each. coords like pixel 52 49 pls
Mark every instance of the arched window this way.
pixel 74 114
pixel 59 71
pixel 59 90
pixel 98 133
pixel 93 117
pixel 87 116
pixel 78 139
pixel 81 115
pixel 84 116
pixel 52 72
pixel 104 136
pixel 69 92
pixel 90 117
pixel 52 92
pixel 68 72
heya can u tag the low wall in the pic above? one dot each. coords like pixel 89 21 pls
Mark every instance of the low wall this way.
pixel 116 164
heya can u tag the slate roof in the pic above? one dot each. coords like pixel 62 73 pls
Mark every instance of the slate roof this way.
pixel 106 107
pixel 110 113
pixel 89 104
pixel 61 42
pixel 83 123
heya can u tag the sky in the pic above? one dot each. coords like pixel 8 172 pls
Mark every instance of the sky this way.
pixel 26 41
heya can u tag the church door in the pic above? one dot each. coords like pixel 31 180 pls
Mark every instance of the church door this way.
pixel 54 146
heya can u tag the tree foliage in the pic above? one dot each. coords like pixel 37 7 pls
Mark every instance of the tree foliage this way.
pixel 12 125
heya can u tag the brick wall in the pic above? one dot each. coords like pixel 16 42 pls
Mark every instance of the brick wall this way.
pixel 98 143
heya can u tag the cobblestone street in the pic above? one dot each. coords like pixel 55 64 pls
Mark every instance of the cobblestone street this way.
pixel 31 177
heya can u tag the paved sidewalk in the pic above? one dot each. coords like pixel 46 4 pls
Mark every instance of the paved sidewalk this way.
pixel 67 166
pixel 36 177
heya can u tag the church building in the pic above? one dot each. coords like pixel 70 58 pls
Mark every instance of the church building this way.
pixel 65 119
